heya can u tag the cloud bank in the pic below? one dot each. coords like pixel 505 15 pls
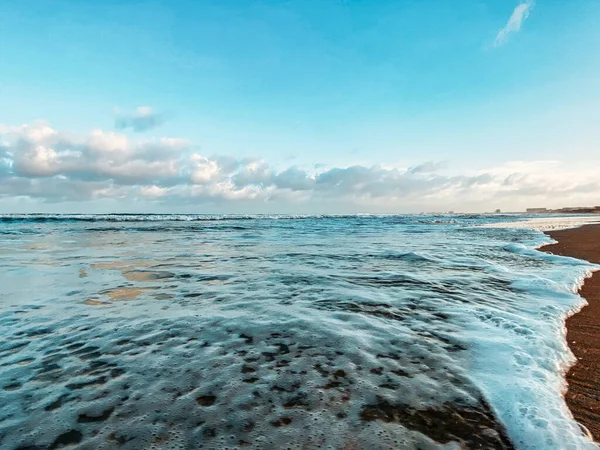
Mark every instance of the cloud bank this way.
pixel 518 16
pixel 143 119
pixel 43 165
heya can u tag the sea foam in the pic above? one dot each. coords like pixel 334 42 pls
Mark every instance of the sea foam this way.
pixel 547 223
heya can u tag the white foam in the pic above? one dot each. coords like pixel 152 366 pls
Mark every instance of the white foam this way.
pixel 547 223
pixel 521 369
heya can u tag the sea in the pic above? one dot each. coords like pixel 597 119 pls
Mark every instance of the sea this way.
pixel 284 332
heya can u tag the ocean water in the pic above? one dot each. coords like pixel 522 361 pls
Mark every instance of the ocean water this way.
pixel 301 332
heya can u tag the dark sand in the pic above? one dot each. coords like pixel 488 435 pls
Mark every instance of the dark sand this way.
pixel 583 329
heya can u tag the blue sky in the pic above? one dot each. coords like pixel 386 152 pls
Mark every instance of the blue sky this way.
pixel 479 86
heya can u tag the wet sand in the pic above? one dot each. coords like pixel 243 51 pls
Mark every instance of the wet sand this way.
pixel 583 329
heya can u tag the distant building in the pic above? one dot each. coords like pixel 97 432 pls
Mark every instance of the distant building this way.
pixel 537 210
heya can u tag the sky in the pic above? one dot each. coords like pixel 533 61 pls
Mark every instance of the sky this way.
pixel 298 106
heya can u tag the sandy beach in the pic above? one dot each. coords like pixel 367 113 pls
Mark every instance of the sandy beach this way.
pixel 583 329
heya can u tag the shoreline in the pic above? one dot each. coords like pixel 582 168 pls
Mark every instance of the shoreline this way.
pixel 583 327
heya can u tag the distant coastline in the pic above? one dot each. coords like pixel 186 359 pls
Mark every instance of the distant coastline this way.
pixel 567 210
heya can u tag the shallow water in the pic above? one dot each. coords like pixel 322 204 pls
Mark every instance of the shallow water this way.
pixel 282 332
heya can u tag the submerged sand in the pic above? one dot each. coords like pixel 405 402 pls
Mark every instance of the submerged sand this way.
pixel 583 329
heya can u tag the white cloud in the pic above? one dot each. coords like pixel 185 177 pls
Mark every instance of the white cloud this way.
pixel 41 163
pixel 203 170
pixel 429 166
pixel 107 143
pixel 153 191
pixel 516 19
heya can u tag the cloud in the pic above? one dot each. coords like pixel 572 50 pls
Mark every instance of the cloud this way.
pixel 46 165
pixel 429 166
pixel 516 19
pixel 143 119
pixel 38 151
pixel 153 191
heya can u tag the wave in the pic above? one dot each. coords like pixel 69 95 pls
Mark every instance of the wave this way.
pixel 441 219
